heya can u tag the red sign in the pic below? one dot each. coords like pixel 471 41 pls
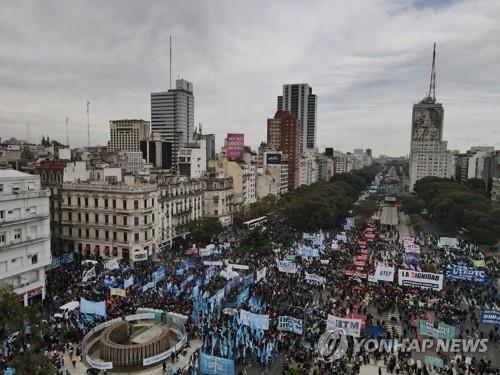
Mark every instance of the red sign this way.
pixel 235 146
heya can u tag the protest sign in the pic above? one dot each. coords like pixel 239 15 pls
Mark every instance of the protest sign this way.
pixel 352 327
pixel 252 320
pixel 286 266
pixel 420 279
pixel 290 324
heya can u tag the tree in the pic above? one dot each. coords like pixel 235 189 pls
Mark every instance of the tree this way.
pixel 33 363
pixel 205 230
pixel 417 223
pixel 410 205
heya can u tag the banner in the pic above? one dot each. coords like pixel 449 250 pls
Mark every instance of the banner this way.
pixel 490 317
pixel 205 252
pixel 361 275
pixel 91 307
pixel 412 259
pixel 374 332
pixel 420 279
pixel 479 263
pixel 261 274
pixel 433 361
pixel 111 264
pixel 412 248
pixel 286 266
pixel 148 286
pixel 463 272
pixel 159 274
pixel 56 262
pixel 68 258
pixel 211 365
pixel 290 324
pixel 118 292
pixel 307 252
pixel 89 274
pixel 243 297
pixel 128 282
pixel 443 331
pixel 316 279
pixel 239 266
pixel 384 273
pixel 352 327
pixel 255 321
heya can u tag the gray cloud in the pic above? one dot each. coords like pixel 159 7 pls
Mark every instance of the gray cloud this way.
pixel 368 61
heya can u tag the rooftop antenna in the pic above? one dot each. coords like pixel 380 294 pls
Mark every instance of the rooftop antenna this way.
pixel 170 62
pixel 67 134
pixel 28 133
pixel 88 124
pixel 432 85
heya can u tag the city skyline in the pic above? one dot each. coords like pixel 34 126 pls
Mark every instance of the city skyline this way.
pixel 366 74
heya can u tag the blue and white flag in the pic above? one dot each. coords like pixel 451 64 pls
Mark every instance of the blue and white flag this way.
pixel 128 282
pixel 91 307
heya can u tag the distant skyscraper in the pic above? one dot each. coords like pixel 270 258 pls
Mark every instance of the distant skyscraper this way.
pixel 126 135
pixel 299 99
pixel 172 115
pixel 428 153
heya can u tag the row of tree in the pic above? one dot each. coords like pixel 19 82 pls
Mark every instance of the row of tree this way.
pixel 459 207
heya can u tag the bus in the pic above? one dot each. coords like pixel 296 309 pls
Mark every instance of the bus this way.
pixel 254 223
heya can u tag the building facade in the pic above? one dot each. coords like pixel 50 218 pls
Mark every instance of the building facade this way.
pixel 172 115
pixel 157 152
pixel 218 197
pixel 126 135
pixel 111 219
pixel 24 233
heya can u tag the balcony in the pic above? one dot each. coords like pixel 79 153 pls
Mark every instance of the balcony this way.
pixel 23 242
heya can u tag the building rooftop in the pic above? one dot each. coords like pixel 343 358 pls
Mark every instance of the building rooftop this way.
pixel 12 173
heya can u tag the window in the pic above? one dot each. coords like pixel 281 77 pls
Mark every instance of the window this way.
pixel 2 214
pixel 145 219
pixel 124 204
pixel 34 259
pixel 79 217
pixel 125 221
pixel 2 238
pixel 69 201
pixel 15 189
pixel 106 203
pixel 114 203
pixel 79 201
pixel 1 188
pixel 136 221
pixel 146 235
pixel 106 219
pixel 79 233
pixel 145 203
pixel 87 233
pixel 96 218
pixel 86 218
pixel 17 234
pixel 96 202
pixel 152 202
pixel 136 237
pixel 114 220
pixel 125 237
pixel 97 233
pixel 106 235
pixel 114 236
pixel 70 216
pixel 136 205
pixel 70 232
pixel 86 202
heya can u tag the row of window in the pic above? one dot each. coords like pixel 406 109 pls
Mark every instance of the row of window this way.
pixel 107 235
pixel 106 221
pixel 85 201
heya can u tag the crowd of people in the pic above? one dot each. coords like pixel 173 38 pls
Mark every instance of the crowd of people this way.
pixel 216 291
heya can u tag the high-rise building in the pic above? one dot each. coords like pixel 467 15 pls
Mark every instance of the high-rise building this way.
pixel 24 233
pixel 428 154
pixel 172 115
pixel 285 128
pixel 299 99
pixel 157 152
pixel 126 135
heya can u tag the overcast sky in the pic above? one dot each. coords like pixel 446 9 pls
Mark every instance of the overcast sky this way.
pixel 368 62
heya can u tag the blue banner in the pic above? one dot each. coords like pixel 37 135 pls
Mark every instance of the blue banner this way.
pixel 56 262
pixel 463 272
pixel 110 282
pixel 248 280
pixel 490 317
pixel 212 365
pixel 68 258
pixel 374 332
pixel 128 282
pixel 242 297
pixel 159 274
pixel 91 307
pixel 443 331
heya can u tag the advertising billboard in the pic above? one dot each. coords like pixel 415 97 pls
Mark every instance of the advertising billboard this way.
pixel 273 158
pixel 235 146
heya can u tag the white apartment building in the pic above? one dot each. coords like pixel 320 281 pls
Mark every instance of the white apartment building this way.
pixel 308 169
pixel 218 197
pixel 430 158
pixel 24 233
pixel 111 219
pixel 126 135
pixel 249 176
pixel 192 160
pixel 180 203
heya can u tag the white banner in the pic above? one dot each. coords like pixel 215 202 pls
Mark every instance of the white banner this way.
pixel 118 292
pixel 111 265
pixel 205 252
pixel 316 279
pixel 261 274
pixel 418 279
pixel 286 266
pixel 384 273
pixel 89 274
pixel 290 324
pixel 254 320
pixel 352 327
pixel 239 266
pixel 324 261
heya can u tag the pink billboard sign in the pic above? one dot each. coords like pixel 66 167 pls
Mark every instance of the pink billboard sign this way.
pixel 235 146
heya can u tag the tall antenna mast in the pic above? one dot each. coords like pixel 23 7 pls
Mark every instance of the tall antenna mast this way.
pixel 171 62
pixel 67 134
pixel 88 124
pixel 28 133
pixel 432 85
